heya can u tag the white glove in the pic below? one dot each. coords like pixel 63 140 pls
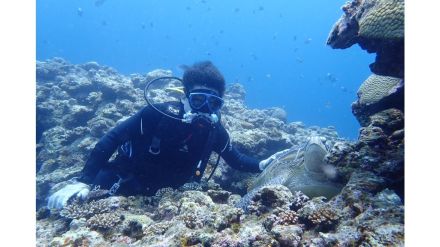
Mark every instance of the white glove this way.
pixel 59 199
pixel 265 163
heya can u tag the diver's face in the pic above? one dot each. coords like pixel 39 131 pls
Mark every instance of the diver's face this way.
pixel 205 99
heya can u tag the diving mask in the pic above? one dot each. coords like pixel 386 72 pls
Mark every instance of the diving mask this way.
pixel 205 100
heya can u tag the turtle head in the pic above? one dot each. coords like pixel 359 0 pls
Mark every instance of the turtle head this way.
pixel 314 153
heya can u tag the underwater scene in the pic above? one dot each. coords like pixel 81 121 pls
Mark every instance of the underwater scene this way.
pixel 220 123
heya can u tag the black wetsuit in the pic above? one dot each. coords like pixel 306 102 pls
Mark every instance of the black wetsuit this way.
pixel 181 148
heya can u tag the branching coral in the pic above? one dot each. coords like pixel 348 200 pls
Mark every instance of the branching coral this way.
pixel 158 229
pixel 78 210
pixel 190 186
pixel 286 218
pixel 299 199
pixel 269 197
pixel 104 221
pixel 319 215
pixel 324 218
pixel 281 217
pixel 192 221
pixel 164 191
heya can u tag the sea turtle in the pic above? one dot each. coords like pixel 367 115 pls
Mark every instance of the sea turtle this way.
pixel 300 168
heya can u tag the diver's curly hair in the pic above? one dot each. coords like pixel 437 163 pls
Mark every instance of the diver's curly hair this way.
pixel 204 74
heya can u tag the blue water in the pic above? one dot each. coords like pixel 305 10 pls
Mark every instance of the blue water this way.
pixel 276 49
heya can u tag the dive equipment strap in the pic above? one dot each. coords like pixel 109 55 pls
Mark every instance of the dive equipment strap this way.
pixel 215 167
pixel 201 165
pixel 160 131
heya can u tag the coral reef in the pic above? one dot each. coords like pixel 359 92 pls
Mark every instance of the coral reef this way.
pixel 368 211
pixel 377 26
pixel 299 199
pixel 376 94
pixel 103 221
pixel 78 210
pixel 133 230
pixel 289 236
pixel 219 196
pixel 375 88
pixel 373 166
pixel 384 21
pixel 316 213
pixel 78 104
pixel 270 197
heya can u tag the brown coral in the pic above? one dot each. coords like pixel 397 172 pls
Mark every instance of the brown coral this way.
pixel 375 88
pixel 104 221
pixel 323 216
pixel 191 221
pixel 286 218
pixel 384 21
pixel 78 210
pixel 158 229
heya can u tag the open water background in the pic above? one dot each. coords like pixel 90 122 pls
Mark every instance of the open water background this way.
pixel 276 49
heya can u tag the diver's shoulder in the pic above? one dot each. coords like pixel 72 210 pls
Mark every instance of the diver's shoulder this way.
pixel 221 129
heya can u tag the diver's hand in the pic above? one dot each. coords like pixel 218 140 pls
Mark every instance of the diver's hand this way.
pixel 59 199
pixel 265 163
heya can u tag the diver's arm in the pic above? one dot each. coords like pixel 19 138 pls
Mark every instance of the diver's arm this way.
pixel 107 145
pixel 232 156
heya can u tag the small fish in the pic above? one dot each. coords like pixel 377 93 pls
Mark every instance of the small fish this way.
pixel 79 12
pixel 328 105
pixel 299 60
pixel 308 41
pixel 330 77
pixel 99 2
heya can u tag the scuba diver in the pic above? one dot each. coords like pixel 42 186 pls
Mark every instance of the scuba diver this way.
pixel 164 144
